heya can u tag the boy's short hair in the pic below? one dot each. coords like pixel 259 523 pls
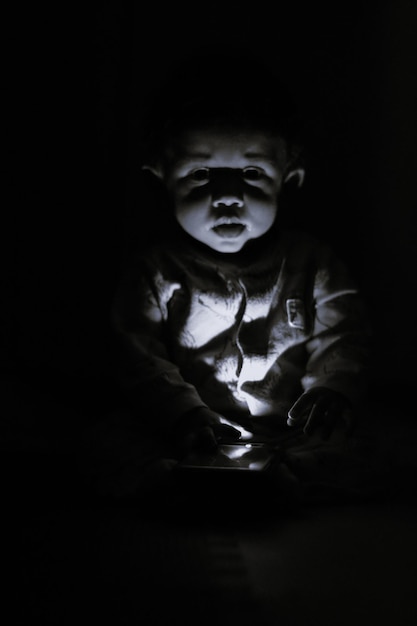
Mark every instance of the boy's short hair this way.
pixel 223 90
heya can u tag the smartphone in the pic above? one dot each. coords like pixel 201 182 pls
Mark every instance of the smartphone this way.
pixel 236 457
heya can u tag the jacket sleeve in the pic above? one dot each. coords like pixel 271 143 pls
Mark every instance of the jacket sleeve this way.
pixel 150 381
pixel 340 345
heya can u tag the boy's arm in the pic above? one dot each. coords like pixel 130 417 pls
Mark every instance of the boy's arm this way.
pixel 150 381
pixel 339 347
pixel 339 354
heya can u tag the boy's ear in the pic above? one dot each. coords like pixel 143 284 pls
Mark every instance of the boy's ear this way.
pixel 295 176
pixel 154 169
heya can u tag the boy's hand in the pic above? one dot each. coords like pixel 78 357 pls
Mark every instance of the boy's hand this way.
pixel 326 414
pixel 203 429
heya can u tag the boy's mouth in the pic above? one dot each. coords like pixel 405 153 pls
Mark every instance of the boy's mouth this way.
pixel 228 229
pixel 231 231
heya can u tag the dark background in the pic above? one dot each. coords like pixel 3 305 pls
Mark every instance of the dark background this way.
pixel 75 79
pixel 75 75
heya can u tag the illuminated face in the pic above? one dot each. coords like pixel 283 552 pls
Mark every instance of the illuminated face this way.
pixel 225 185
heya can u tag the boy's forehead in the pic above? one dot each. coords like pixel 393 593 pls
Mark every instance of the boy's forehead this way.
pixel 230 143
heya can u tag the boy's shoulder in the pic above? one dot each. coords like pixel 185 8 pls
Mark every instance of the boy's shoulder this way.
pixel 298 236
pixel 159 245
pixel 303 244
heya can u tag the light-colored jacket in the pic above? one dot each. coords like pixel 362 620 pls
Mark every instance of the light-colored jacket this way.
pixel 243 334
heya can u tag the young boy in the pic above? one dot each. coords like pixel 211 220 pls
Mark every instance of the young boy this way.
pixel 231 327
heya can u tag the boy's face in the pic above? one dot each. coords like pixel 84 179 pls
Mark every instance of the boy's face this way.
pixel 225 185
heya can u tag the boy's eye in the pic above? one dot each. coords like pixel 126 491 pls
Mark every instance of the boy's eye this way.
pixel 202 174
pixel 252 173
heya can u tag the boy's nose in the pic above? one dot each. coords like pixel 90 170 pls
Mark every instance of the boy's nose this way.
pixel 227 189
pixel 227 200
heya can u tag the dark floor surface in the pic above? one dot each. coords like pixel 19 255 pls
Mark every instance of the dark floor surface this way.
pixel 234 557
pixel 318 566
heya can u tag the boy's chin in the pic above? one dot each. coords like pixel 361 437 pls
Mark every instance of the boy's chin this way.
pixel 243 244
pixel 228 247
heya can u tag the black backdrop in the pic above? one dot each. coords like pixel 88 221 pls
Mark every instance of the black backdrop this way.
pixel 75 78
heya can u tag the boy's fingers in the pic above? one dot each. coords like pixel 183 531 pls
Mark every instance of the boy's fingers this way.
pixel 320 419
pixel 333 422
pixel 301 408
pixel 224 431
pixel 323 412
